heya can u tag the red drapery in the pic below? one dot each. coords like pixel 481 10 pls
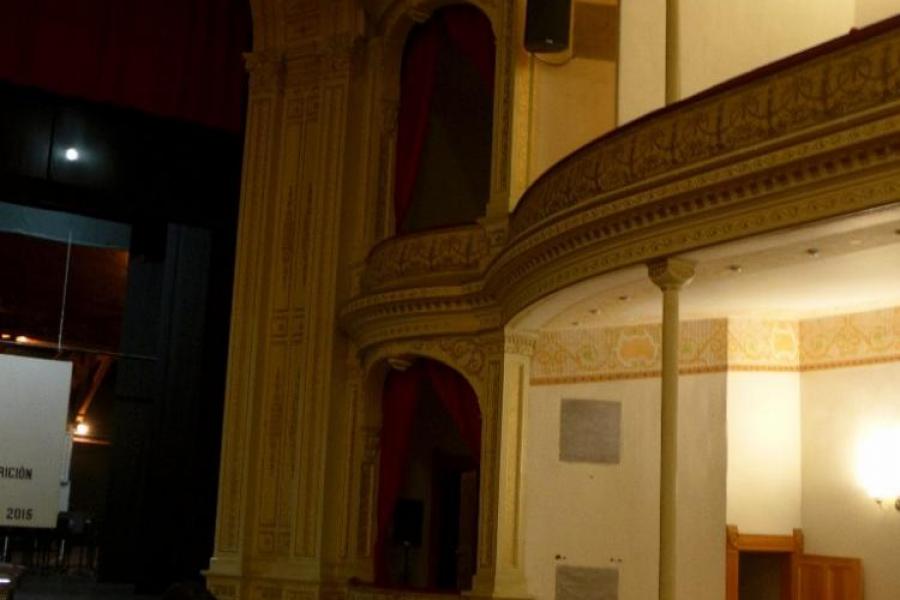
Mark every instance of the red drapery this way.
pixel 461 29
pixel 173 58
pixel 401 395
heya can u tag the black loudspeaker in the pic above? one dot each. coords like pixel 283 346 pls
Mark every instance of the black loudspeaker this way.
pixel 547 25
pixel 408 517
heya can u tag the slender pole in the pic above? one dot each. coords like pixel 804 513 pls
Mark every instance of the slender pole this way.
pixel 673 78
pixel 65 291
pixel 670 275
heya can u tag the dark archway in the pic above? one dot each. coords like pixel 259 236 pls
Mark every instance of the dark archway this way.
pixel 428 486
pixel 443 164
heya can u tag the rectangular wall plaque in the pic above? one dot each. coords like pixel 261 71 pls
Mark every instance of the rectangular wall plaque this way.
pixel 586 583
pixel 590 431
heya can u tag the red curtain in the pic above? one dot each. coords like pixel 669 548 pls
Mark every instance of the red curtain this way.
pixel 416 88
pixel 462 30
pixel 398 407
pixel 470 33
pixel 459 399
pixel 400 398
pixel 174 58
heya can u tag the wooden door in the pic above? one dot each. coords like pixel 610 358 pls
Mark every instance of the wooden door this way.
pixel 829 578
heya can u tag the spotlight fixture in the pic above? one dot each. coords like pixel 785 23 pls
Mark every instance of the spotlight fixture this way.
pixel 82 429
pixel 72 154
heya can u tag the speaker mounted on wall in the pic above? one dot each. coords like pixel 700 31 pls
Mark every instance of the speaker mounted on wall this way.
pixel 548 26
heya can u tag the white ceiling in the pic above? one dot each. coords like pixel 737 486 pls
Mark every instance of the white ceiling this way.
pixel 840 266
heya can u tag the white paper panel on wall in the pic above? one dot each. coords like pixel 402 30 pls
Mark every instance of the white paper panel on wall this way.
pixel 34 401
pixel 586 583
pixel 590 431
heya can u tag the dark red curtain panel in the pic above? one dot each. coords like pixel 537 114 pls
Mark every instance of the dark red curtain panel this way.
pixel 398 406
pixel 174 58
pixel 459 399
pixel 470 33
pixel 461 29
pixel 416 88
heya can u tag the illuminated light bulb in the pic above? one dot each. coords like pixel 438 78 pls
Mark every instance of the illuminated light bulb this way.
pixel 5 336
pixel 82 429
pixel 72 154
pixel 878 463
pixel 22 339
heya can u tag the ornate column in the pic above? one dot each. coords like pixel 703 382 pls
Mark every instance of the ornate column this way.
pixel 285 348
pixel 670 275
pixel 500 572
pixel 260 166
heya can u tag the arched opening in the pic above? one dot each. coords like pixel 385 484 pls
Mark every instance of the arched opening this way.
pixel 428 479
pixel 443 159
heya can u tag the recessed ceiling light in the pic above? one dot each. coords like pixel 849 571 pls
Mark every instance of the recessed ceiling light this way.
pixel 5 336
pixel 72 154
pixel 22 339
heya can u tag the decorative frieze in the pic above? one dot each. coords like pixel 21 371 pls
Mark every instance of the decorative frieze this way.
pixel 718 345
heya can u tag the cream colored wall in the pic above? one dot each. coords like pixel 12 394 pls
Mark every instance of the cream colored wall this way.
pixel 871 11
pixel 764 452
pixel 702 452
pixel 594 515
pixel 572 104
pixel 720 39
pixel 598 515
pixel 642 58
pixel 839 519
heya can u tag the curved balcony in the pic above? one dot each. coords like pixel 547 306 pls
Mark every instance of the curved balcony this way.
pixel 811 137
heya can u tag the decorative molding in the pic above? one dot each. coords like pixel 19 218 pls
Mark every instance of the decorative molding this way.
pixel 797 98
pixel 436 255
pixel 670 273
pixel 719 345
pixel 850 340
pixel 763 344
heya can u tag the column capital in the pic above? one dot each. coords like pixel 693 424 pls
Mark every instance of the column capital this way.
pixel 671 273
pixel 266 69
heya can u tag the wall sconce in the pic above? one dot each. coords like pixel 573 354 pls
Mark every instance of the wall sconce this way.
pixel 878 465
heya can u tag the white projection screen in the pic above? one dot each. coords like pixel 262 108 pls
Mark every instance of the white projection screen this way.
pixel 34 401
